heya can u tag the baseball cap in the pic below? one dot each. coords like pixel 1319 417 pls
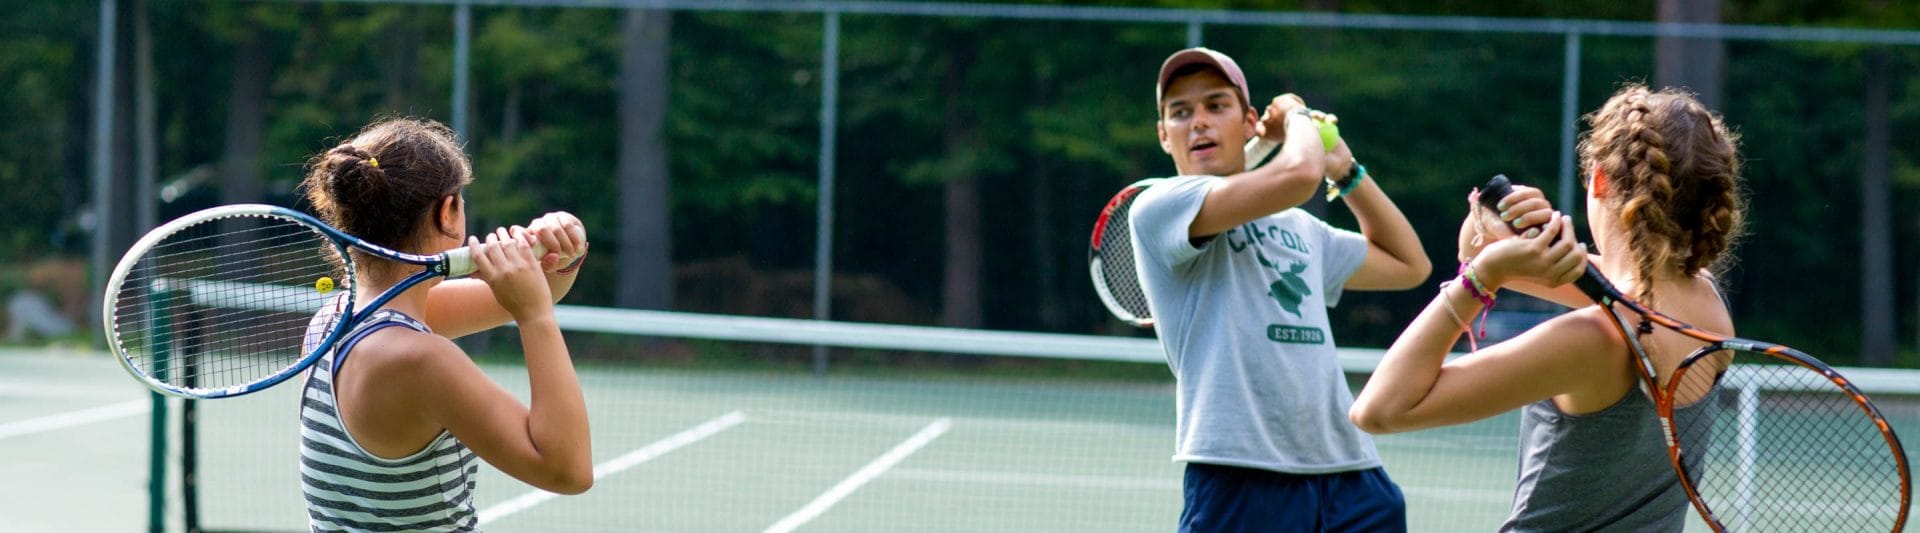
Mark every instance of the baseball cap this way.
pixel 1205 56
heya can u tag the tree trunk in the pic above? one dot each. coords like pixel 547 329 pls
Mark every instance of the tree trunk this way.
pixel 240 180
pixel 246 120
pixel 510 115
pixel 147 149
pixel 960 290
pixel 402 69
pixel 120 225
pixel 1695 64
pixel 646 232
pixel 1877 316
pixel 110 203
pixel 1045 263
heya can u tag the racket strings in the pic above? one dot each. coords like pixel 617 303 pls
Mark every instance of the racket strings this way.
pixel 1119 282
pixel 1783 448
pixel 226 302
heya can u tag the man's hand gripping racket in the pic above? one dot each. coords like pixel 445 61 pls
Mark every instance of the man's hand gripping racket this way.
pixel 1110 255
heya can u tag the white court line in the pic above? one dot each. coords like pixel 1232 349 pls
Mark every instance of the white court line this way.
pixel 75 418
pixel 1039 480
pixel 853 482
pixel 631 459
pixel 40 390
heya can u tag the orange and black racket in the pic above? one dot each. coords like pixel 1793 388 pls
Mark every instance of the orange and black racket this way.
pixel 1765 437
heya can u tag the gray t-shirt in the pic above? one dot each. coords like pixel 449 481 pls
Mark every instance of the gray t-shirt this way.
pixel 1243 319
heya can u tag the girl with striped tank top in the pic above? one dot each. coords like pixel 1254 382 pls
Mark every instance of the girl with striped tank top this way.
pixel 1664 206
pixel 394 416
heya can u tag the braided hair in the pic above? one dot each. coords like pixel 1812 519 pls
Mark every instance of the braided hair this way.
pixel 382 183
pixel 1673 172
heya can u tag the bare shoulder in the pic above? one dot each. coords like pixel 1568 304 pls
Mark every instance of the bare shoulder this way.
pixel 1587 333
pixel 407 352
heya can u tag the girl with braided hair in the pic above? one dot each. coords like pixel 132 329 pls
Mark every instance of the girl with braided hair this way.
pixel 1664 205
pixel 390 434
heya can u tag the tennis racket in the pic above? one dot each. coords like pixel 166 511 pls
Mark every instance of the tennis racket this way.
pixel 222 302
pixel 1110 257
pixel 1811 454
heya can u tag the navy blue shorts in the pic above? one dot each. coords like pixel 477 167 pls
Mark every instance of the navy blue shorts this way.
pixel 1230 498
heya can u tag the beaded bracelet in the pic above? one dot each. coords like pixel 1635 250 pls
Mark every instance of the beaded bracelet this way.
pixel 1464 326
pixel 1471 281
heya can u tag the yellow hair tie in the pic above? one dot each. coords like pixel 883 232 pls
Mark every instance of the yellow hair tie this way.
pixel 374 161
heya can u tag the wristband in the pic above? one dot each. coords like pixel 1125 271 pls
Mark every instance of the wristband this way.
pixel 1355 173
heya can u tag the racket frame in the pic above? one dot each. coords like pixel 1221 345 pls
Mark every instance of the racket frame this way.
pixel 1121 204
pixel 453 263
pixel 1602 291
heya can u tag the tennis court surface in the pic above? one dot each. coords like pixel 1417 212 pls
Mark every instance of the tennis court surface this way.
pixel 909 438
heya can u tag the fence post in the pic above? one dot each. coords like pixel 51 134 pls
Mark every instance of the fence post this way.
pixel 462 45
pixel 823 222
pixel 1569 110
pixel 102 157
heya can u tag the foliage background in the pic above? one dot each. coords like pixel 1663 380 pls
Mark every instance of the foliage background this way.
pixel 1019 128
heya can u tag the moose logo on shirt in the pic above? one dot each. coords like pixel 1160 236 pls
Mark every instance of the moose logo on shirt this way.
pixel 1290 289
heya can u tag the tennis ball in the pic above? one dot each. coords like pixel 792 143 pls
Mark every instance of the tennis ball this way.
pixel 1329 133
pixel 324 285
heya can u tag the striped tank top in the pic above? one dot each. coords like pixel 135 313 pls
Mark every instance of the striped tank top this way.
pixel 349 489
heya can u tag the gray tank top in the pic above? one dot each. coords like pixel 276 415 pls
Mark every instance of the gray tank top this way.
pixel 1601 471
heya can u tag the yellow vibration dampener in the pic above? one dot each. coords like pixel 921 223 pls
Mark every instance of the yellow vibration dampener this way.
pixel 324 285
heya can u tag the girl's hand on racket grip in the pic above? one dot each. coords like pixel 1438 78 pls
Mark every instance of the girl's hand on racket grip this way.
pixel 1526 207
pixel 563 236
pixel 1548 255
pixel 506 262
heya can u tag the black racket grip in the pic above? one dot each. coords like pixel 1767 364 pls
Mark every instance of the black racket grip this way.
pixel 1497 188
pixel 1594 284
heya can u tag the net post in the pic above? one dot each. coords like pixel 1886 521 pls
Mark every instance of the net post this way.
pixel 162 346
pixel 1747 418
pixel 190 423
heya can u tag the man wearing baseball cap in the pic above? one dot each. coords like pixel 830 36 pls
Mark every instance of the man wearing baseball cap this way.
pixel 1240 282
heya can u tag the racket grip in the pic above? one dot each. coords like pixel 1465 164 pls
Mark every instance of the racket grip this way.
pixel 459 261
pixel 1496 189
pixel 1260 150
pixel 1593 283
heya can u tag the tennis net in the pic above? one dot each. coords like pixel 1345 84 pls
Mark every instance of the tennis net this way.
pixel 718 423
